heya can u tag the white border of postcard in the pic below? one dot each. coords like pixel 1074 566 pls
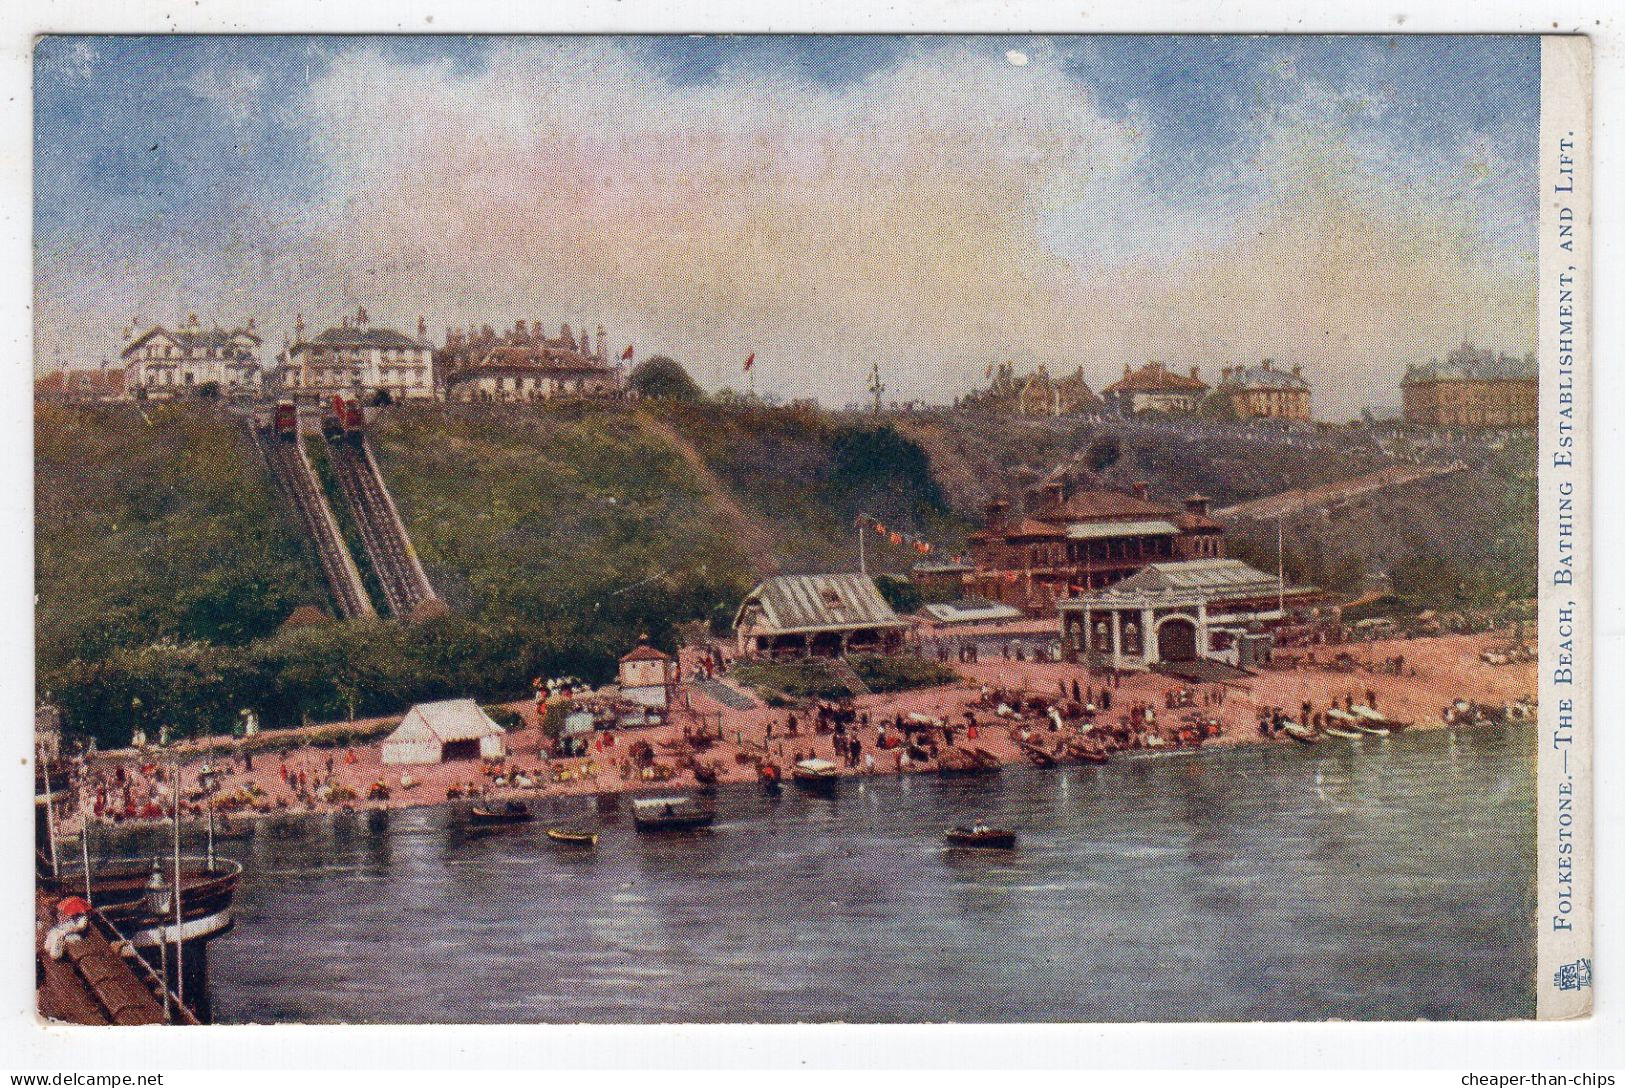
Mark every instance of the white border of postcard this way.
pixel 1569 1046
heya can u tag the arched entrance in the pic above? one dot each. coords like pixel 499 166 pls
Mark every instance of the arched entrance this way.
pixel 1176 640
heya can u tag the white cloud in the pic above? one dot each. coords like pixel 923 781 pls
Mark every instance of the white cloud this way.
pixel 953 210
pixel 234 90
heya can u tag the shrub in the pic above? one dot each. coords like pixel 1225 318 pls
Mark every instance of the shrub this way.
pixel 884 674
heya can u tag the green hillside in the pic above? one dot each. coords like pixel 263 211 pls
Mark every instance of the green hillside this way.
pixel 157 523
pixel 559 533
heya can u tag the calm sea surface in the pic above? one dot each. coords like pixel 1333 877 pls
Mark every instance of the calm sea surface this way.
pixel 1373 879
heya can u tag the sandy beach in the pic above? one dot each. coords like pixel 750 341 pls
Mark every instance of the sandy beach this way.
pixel 1436 672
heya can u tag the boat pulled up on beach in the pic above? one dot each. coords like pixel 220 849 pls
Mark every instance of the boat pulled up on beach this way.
pixel 815 774
pixel 671 814
pixel 981 837
pixel 1376 721
pixel 1299 733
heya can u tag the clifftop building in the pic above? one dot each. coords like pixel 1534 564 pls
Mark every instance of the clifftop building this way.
pixel 1155 388
pixel 525 364
pixel 1474 387
pixel 356 358
pixel 1264 392
pixel 1036 394
pixel 81 384
pixel 161 362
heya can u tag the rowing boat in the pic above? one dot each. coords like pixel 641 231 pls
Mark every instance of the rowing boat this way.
pixel 980 836
pixel 1299 733
pixel 671 814
pixel 513 812
pixel 572 836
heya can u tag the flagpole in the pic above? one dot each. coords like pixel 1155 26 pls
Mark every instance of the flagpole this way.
pixel 1280 570
pixel 863 552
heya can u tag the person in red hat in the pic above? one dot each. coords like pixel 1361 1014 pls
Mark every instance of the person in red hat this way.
pixel 73 916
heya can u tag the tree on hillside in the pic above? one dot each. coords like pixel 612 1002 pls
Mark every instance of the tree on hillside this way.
pixel 660 376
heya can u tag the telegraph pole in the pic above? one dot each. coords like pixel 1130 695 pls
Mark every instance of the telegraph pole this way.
pixel 876 386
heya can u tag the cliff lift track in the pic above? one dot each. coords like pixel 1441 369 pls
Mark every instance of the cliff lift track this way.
pixel 406 587
pixel 298 483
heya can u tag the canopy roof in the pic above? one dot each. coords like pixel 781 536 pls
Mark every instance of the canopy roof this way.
pixel 447 720
pixel 816 602
pixel 971 610
pixel 1210 577
pixel 1096 530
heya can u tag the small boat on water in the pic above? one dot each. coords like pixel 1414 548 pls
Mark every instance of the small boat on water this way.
pixel 671 814
pixel 122 890
pixel 572 836
pixel 981 836
pixel 815 774
pixel 509 812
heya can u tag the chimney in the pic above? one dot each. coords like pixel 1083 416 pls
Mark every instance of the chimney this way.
pixel 1053 494
pixel 1193 374
pixel 1269 364
pixel 1297 370
pixel 250 325
pixel 191 321
pixel 519 328
pixel 298 326
pixel 601 352
pixel 361 317
pixel 997 512
pixel 1142 490
pixel 1197 505
pixel 1125 370
pixel 423 328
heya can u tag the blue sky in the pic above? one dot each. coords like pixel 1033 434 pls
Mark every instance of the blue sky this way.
pixel 204 164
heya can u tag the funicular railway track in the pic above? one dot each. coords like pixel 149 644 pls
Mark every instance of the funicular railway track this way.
pixel 399 572
pixel 298 483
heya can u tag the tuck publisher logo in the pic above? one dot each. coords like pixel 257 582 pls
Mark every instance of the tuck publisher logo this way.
pixel 1573 976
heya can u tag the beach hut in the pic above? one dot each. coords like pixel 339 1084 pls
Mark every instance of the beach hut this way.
pixel 449 729
pixel 646 676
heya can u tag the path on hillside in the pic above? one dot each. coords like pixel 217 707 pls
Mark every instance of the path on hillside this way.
pixel 1297 500
pixel 751 531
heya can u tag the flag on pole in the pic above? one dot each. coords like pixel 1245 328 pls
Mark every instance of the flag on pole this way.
pixel 627 354
pixel 750 362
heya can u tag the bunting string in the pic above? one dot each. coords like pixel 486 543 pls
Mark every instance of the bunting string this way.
pixel 891 536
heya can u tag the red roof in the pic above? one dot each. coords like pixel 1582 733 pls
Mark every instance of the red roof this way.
pixel 1156 378
pixel 1105 506
pixel 1032 527
pixel 1191 522
pixel 645 652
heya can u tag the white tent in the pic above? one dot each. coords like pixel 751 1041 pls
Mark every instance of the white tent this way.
pixel 450 729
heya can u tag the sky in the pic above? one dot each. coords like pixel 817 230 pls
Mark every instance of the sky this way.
pixel 930 204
